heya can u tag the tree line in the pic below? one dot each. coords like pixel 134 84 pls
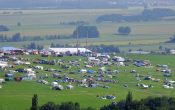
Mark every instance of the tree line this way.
pixel 18 38
pixel 95 48
pixel 146 15
pixel 33 46
pixel 149 103
pixel 171 40
pixel 80 32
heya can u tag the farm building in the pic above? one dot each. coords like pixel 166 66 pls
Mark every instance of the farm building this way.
pixel 70 50
pixel 11 50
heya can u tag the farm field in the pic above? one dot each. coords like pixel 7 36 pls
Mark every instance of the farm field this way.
pixel 22 92
pixel 48 22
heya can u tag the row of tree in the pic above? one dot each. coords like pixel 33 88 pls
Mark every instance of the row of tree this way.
pixel 34 46
pixel 80 32
pixel 150 103
pixel 171 40
pixel 146 15
pixel 96 48
pixel 18 38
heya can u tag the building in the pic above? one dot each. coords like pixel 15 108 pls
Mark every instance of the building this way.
pixel 139 52
pixel 11 50
pixel 70 50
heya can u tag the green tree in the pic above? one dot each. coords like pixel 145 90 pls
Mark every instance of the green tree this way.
pixel 69 106
pixel 16 37
pixel 3 28
pixel 49 106
pixel 34 102
pixel 128 103
pixel 18 23
pixel 86 31
pixel 32 45
pixel 124 30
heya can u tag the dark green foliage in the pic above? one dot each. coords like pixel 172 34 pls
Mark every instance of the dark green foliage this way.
pixel 34 102
pixel 128 103
pixel 172 40
pixel 63 106
pixel 16 37
pixel 124 30
pixel 18 23
pixel 89 108
pixel 160 103
pixel 146 15
pixel 3 28
pixel 49 106
pixel 110 107
pixel 104 48
pixel 69 106
pixel 32 45
pixel 150 103
pixel 86 31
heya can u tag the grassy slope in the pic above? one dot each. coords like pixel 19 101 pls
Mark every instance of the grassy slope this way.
pixel 18 95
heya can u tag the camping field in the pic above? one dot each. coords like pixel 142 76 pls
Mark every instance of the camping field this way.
pixel 18 94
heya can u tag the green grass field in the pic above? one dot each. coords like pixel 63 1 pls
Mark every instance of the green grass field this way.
pixel 18 94
pixel 47 22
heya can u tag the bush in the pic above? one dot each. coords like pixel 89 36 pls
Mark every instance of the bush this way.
pixel 3 28
pixel 124 30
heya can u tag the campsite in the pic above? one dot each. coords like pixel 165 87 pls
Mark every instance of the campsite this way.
pixel 83 77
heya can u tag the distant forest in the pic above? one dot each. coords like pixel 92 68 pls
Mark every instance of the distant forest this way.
pixel 146 15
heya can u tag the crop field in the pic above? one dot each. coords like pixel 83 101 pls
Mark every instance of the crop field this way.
pixel 18 94
pixel 48 22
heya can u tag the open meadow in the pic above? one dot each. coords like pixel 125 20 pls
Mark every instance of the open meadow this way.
pixel 49 22
pixel 18 94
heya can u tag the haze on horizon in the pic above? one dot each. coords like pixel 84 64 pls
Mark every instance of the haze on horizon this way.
pixel 63 4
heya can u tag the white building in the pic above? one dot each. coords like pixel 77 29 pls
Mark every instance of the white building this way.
pixel 71 50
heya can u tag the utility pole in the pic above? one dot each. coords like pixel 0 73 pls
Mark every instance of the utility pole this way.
pixel 87 34
pixel 77 40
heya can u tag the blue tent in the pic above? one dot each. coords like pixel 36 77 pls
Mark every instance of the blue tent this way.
pixel 90 71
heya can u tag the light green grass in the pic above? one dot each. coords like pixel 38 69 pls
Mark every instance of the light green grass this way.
pixel 18 94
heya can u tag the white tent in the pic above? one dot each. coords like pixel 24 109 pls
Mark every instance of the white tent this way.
pixel 53 84
pixel 69 86
pixel 118 59
pixel 3 64
pixel 2 80
pixel 71 50
pixel 83 71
